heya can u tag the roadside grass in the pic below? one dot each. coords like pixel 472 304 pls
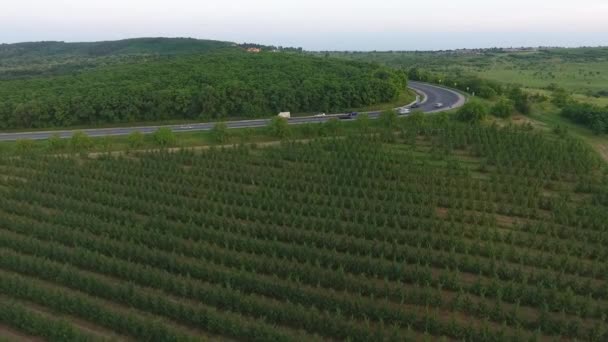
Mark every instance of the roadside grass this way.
pixel 546 117
pixel 186 139
pixel 598 101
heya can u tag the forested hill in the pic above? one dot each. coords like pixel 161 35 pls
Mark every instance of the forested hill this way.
pixel 163 46
pixel 222 83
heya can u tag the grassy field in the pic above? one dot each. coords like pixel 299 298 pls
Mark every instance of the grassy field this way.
pixel 583 71
pixel 539 70
pixel 414 229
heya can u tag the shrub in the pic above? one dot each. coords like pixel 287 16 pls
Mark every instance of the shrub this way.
pixel 164 137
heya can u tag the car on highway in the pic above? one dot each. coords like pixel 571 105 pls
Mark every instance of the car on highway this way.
pixel 319 115
pixel 404 110
pixel 438 105
pixel 348 116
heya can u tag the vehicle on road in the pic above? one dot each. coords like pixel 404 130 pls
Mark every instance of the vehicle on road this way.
pixel 415 105
pixel 285 115
pixel 404 111
pixel 348 116
pixel 438 105
pixel 320 115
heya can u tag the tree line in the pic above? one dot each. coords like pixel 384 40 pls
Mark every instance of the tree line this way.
pixel 217 85
pixel 591 116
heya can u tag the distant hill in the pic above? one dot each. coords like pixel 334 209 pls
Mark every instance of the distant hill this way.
pixel 37 59
pixel 137 46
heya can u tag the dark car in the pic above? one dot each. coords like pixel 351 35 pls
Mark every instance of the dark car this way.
pixel 348 116
pixel 415 105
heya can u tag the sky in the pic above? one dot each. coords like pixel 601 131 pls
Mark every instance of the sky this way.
pixel 316 24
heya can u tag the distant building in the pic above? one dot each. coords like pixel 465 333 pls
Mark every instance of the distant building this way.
pixel 254 50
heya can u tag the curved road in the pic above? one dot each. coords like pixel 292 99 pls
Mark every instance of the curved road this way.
pixel 435 94
pixel 430 95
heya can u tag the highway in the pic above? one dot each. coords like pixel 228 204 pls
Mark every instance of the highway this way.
pixel 430 95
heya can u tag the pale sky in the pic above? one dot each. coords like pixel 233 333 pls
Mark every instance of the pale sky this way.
pixel 315 24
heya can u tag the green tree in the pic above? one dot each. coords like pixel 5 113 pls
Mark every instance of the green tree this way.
pixel 55 143
pixel 135 139
pixel 332 127
pixel 561 97
pixel 219 132
pixel 164 137
pixel 473 111
pixel 80 142
pixel 521 100
pixel 363 123
pixel 279 127
pixel 561 131
pixel 418 117
pixel 388 118
pixel 105 143
pixel 503 108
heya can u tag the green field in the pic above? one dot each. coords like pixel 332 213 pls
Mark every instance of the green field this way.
pixel 417 229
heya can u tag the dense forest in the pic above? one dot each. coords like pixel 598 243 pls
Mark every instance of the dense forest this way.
pixel 218 84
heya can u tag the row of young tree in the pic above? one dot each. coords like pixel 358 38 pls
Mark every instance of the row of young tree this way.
pixel 211 86
pixel 335 238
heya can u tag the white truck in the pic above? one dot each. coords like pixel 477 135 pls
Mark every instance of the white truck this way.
pixel 284 115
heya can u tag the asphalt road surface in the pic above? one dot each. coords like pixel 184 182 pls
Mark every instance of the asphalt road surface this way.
pixel 430 95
